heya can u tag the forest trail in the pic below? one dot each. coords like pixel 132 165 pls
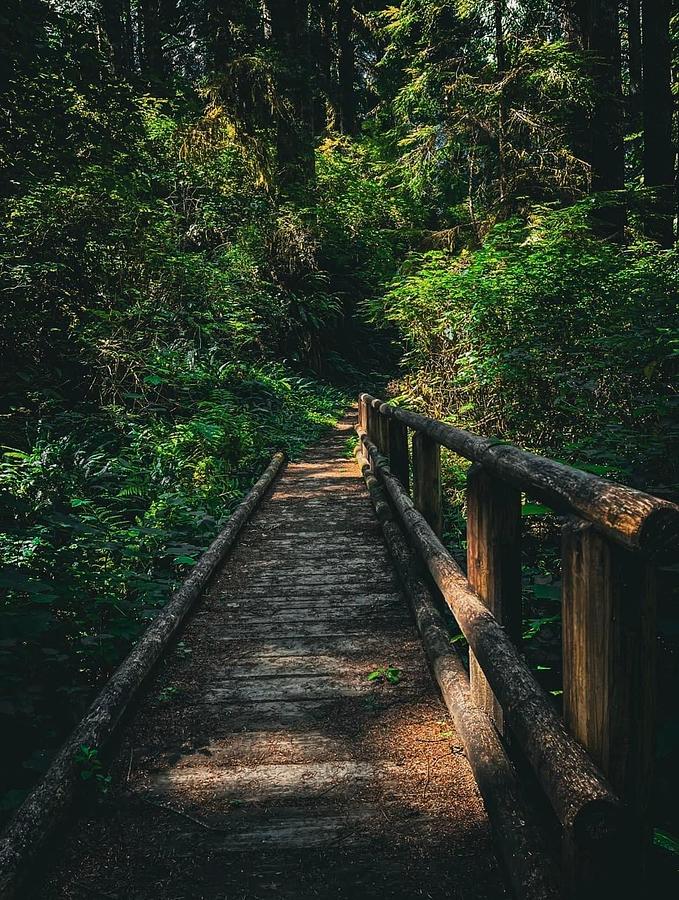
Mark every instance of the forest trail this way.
pixel 262 760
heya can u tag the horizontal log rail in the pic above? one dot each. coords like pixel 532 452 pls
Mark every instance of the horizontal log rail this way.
pixel 516 828
pixel 594 764
pixel 633 518
pixel 580 796
pixel 48 805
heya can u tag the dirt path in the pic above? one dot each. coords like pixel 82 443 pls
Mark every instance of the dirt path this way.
pixel 262 761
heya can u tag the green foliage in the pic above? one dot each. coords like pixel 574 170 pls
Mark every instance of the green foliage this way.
pixel 549 337
pixel 389 674
pixel 665 840
pixel 91 769
pixel 161 314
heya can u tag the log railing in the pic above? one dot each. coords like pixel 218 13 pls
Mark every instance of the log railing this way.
pixel 594 764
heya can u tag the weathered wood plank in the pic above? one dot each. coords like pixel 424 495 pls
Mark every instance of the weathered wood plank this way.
pixel 261 783
pixel 48 804
pixel 609 640
pixel 427 480
pixel 493 567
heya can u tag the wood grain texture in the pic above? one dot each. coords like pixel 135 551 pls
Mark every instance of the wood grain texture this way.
pixel 632 518
pixel 46 808
pixel 493 567
pixel 580 796
pixel 398 451
pixel 427 480
pixel 609 640
pixel 263 761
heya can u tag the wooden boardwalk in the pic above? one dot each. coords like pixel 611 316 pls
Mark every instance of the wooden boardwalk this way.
pixel 262 761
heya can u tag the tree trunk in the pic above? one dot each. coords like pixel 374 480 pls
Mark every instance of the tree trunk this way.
pixel 657 116
pixel 326 74
pixel 218 33
pixel 501 62
pixel 152 60
pixel 290 35
pixel 607 149
pixel 116 14
pixel 634 61
pixel 346 67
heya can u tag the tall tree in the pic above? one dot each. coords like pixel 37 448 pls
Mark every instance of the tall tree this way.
pixel 219 33
pixel 328 116
pixel 288 22
pixel 657 116
pixel 117 19
pixel 595 26
pixel 346 67
pixel 501 63
pixel 634 59
pixel 152 62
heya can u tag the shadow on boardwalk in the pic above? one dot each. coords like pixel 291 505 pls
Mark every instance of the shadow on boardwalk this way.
pixel 262 761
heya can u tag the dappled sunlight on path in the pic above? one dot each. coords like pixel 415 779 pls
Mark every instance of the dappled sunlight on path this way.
pixel 264 760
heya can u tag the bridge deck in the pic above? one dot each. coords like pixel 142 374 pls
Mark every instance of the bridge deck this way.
pixel 262 761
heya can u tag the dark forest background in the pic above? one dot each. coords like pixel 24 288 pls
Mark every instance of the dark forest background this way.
pixel 220 219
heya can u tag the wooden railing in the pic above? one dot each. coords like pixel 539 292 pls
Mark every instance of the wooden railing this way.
pixel 595 764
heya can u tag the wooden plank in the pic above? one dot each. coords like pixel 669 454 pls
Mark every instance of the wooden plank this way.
pixel 372 644
pixel 347 829
pixel 323 582
pixel 261 630
pixel 257 746
pixel 321 664
pixel 427 480
pixel 609 675
pixel 265 598
pixel 398 454
pixel 493 567
pixel 263 783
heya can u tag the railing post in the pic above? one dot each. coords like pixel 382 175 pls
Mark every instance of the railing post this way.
pixel 398 451
pixel 376 432
pixel 427 480
pixel 371 423
pixel 608 611
pixel 362 413
pixel 493 567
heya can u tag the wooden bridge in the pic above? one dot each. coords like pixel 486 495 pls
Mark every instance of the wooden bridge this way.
pixel 313 732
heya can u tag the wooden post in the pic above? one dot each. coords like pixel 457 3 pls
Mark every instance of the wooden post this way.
pixel 427 480
pixel 375 424
pixel 609 670
pixel 370 422
pixel 580 796
pixel 399 462
pixel 362 413
pixel 493 567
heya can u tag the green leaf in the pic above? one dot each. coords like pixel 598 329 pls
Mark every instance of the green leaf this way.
pixel 535 509
pixel 393 675
pixel 546 591
pixel 665 840
pixel 184 560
